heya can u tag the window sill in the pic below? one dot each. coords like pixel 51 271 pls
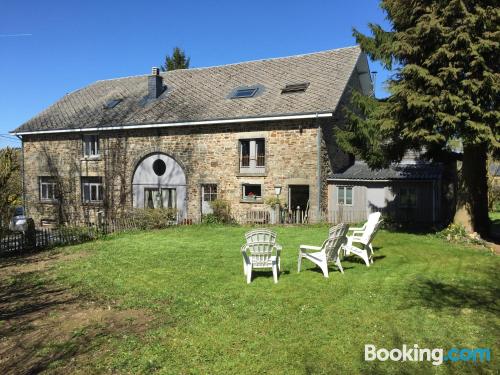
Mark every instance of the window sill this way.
pixel 251 174
pixel 48 201
pixel 94 204
pixel 91 158
pixel 256 201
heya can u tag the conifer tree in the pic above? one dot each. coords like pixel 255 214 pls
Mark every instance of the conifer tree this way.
pixel 178 60
pixel 444 90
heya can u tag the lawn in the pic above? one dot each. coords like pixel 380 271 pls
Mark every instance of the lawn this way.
pixel 185 288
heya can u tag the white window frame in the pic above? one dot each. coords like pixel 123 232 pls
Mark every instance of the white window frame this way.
pixel 252 166
pixel 245 197
pixel 344 195
pixel 208 191
pixel 99 190
pixel 48 182
pixel 91 146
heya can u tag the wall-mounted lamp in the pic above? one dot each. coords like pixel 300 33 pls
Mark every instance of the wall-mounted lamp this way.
pixel 277 190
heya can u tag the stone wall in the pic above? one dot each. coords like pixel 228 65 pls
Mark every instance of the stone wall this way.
pixel 208 154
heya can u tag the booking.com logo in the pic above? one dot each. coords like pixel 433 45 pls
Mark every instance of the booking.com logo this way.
pixel 437 356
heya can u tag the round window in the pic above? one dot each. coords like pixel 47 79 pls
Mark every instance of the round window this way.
pixel 159 167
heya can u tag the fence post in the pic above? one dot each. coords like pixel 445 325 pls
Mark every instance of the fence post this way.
pixel 30 234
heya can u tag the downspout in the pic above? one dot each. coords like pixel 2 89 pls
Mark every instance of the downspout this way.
pixel 22 174
pixel 318 171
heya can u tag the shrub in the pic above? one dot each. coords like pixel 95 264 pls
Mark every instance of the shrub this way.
pixel 273 202
pixel 457 233
pixel 149 218
pixel 221 213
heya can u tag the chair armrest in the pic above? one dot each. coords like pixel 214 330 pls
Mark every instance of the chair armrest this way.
pixel 278 249
pixel 351 229
pixel 357 232
pixel 354 239
pixel 360 228
pixel 309 247
pixel 244 248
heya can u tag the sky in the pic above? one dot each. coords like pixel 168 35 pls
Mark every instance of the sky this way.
pixel 50 48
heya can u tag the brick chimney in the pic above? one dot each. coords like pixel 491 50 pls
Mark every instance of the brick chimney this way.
pixel 155 83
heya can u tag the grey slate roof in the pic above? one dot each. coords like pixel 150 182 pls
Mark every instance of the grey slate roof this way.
pixel 360 171
pixel 201 94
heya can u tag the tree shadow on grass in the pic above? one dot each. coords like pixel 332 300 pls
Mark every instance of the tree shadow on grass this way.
pixel 26 296
pixel 13 259
pixel 44 325
pixel 439 295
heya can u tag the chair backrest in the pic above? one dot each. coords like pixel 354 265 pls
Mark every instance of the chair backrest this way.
pixel 374 232
pixel 260 244
pixel 373 220
pixel 336 238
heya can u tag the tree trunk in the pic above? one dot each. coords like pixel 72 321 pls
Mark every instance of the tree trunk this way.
pixel 472 197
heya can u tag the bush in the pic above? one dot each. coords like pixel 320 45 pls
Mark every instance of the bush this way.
pixel 149 218
pixel 221 213
pixel 273 202
pixel 457 233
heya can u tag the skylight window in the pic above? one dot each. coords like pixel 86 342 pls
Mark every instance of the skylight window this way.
pixel 245 93
pixel 296 87
pixel 112 103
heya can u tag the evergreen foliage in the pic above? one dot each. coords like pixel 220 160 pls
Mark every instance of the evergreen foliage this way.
pixel 445 88
pixel 177 60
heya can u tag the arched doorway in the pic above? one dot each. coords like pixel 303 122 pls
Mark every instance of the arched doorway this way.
pixel 159 182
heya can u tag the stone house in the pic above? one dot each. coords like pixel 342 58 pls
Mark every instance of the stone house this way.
pixel 180 139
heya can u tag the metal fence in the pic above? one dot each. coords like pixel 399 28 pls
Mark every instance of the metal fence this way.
pixel 44 238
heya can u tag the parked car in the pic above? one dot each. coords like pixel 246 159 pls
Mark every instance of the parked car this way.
pixel 19 221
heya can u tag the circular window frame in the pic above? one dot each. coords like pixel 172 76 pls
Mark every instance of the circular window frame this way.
pixel 159 167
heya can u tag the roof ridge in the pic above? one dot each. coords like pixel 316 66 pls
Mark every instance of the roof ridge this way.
pixel 275 58
pixel 237 63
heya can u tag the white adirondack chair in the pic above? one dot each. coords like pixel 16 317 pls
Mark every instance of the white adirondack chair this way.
pixel 373 219
pixel 329 251
pixel 367 228
pixel 261 251
pixel 363 239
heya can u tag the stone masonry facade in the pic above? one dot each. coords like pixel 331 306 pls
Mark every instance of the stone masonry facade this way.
pixel 208 154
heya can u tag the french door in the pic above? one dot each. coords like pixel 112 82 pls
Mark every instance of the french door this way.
pixel 160 198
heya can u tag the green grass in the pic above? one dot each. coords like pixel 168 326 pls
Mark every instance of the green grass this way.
pixel 420 290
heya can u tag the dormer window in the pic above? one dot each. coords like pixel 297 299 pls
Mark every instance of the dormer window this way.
pixel 244 92
pixel 296 87
pixel 112 103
